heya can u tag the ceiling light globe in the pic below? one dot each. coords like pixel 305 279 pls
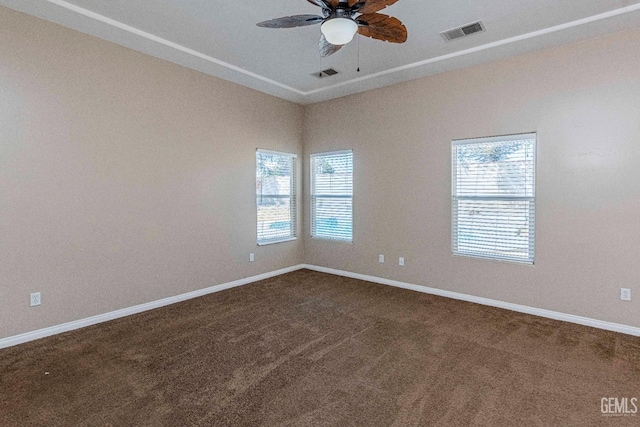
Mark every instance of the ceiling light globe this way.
pixel 339 31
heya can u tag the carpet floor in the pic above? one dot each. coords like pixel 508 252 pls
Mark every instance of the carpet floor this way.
pixel 313 349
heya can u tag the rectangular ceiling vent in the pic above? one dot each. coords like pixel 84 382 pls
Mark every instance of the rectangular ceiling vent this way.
pixel 326 73
pixel 463 31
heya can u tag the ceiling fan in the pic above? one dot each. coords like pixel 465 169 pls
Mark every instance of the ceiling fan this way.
pixel 342 19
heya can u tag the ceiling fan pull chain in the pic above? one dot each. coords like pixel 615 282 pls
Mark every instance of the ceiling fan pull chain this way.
pixel 358 70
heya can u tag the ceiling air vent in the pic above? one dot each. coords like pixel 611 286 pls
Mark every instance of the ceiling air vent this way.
pixel 326 73
pixel 465 30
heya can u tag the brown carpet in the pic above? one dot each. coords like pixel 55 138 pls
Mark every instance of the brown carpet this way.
pixel 312 349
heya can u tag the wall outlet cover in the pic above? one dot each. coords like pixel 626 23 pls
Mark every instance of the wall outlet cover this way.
pixel 625 294
pixel 36 299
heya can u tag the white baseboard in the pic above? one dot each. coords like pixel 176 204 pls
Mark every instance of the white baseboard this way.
pixel 586 321
pixel 77 324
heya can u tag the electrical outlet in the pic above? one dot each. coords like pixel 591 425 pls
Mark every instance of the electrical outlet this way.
pixel 401 261
pixel 252 257
pixel 36 299
pixel 625 294
pixel 381 259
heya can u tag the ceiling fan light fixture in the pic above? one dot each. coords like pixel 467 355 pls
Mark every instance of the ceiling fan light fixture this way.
pixel 339 31
pixel 342 19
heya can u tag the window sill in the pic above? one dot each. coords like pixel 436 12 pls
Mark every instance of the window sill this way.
pixel 271 242
pixel 332 239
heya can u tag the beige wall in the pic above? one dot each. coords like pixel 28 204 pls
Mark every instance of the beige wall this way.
pixel 583 100
pixel 123 178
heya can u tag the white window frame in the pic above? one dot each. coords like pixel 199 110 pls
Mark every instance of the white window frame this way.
pixel 454 211
pixel 292 197
pixel 314 196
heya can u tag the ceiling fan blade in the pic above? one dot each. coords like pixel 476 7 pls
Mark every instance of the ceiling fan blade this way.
pixel 292 21
pixel 327 48
pixel 356 5
pixel 321 3
pixel 382 27
pixel 372 6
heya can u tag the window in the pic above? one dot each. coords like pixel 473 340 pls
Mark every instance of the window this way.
pixel 332 195
pixel 493 207
pixel 275 196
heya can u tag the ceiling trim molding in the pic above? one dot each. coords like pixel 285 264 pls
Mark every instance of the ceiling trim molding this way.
pixel 545 31
pixel 117 24
pixel 199 55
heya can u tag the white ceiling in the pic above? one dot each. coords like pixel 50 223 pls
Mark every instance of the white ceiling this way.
pixel 219 37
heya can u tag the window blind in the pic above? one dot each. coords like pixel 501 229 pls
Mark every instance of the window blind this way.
pixel 275 196
pixel 493 206
pixel 332 195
